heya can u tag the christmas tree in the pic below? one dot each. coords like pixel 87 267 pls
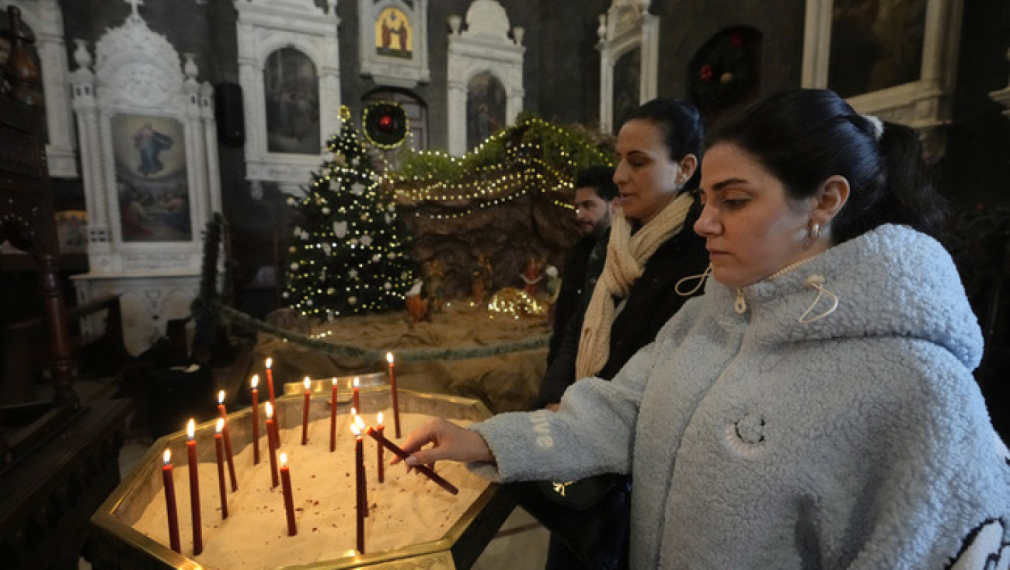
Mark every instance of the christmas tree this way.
pixel 348 250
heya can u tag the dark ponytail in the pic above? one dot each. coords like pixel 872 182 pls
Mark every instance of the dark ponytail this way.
pixel 804 136
pixel 682 126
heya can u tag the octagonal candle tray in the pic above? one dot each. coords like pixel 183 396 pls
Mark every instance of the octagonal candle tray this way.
pixel 411 521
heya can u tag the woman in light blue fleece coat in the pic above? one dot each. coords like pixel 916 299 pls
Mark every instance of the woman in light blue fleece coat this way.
pixel 815 408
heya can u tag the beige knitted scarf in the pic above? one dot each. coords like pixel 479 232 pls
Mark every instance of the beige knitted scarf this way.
pixel 626 258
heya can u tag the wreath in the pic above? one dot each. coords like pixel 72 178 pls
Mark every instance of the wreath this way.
pixel 724 71
pixel 385 124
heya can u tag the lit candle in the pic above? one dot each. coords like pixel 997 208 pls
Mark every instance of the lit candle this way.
pixel 357 400
pixel 218 447
pixel 194 487
pixel 256 418
pixel 271 443
pixel 424 469
pixel 227 441
pixel 289 501
pixel 382 470
pixel 173 514
pixel 392 390
pixel 305 411
pixel 359 484
pixel 333 416
pixel 270 388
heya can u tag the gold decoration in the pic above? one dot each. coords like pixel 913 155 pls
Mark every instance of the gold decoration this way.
pixel 515 303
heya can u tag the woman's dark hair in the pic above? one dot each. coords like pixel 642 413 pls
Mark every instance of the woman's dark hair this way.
pixel 682 126
pixel 804 136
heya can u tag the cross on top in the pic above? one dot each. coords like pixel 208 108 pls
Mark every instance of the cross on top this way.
pixel 133 4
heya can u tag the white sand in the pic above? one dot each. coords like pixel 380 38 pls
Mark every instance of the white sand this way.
pixel 407 509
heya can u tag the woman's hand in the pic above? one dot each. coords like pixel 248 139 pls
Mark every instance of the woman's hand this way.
pixel 450 441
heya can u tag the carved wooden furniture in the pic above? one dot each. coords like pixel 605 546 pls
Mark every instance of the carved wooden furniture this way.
pixel 58 459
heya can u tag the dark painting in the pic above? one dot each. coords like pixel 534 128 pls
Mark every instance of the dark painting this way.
pixel 485 108
pixel 875 44
pixel 627 71
pixel 292 98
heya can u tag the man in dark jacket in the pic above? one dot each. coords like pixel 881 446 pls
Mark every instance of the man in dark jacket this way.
pixel 595 198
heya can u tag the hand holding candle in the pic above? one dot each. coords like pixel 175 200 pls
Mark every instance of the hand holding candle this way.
pixel 392 391
pixel 227 440
pixel 220 468
pixel 289 501
pixel 402 455
pixel 173 514
pixel 194 487
pixel 305 411
pixel 256 418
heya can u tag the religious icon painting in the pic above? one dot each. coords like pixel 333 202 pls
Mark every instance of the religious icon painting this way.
pixel 152 186
pixel 394 34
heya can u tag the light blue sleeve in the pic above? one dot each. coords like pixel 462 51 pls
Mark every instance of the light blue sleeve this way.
pixel 591 432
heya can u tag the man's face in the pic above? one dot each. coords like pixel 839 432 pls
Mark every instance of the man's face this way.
pixel 592 213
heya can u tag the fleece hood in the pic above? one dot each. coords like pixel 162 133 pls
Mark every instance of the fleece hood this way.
pixel 890 282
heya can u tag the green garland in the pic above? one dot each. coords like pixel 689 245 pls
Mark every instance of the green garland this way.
pixel 567 149
pixel 243 320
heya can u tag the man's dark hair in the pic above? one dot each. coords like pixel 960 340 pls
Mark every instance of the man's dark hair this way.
pixel 601 179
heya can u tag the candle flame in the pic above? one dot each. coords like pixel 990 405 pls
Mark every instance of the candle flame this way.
pixel 284 460
pixel 354 412
pixel 220 397
pixel 191 428
pixel 389 357
pixel 356 381
pixel 308 384
pixel 355 429
pixel 379 420
pixel 167 457
pixel 359 422
pixel 334 380
pixel 270 410
pixel 220 425
pixel 255 382
pixel 270 361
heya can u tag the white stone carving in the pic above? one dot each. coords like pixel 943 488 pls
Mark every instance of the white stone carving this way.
pixel 484 46
pixel 387 69
pixel 137 72
pixel 1003 95
pixel 924 104
pixel 265 26
pixel 625 26
pixel 45 18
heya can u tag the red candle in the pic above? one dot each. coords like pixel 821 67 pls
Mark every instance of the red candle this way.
pixel 289 501
pixel 270 388
pixel 173 514
pixel 305 411
pixel 359 460
pixel 333 416
pixel 272 443
pixel 392 390
pixel 220 468
pixel 256 418
pixel 194 488
pixel 227 441
pixel 424 469
pixel 381 467
pixel 357 400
